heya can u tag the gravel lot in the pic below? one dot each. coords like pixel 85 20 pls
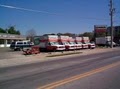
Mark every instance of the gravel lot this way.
pixel 7 53
pixel 13 58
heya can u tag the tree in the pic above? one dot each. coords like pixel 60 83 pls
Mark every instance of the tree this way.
pixel 2 30
pixel 67 34
pixel 18 32
pixel 12 30
pixel 88 34
pixel 30 34
pixel 49 34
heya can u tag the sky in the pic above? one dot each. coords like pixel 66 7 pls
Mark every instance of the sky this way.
pixel 56 16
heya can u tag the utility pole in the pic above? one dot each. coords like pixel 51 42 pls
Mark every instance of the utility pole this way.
pixel 111 20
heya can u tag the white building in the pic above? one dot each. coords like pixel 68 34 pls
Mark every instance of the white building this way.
pixel 6 39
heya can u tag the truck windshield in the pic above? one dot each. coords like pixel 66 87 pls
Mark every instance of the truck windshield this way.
pixel 72 42
pixel 65 43
pixel 79 42
pixel 86 42
pixel 54 43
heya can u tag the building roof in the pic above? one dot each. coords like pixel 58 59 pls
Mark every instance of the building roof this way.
pixel 12 36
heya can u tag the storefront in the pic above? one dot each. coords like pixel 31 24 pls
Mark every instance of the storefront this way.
pixel 6 39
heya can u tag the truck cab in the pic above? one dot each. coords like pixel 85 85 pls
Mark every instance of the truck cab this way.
pixel 79 45
pixel 68 46
pixel 54 46
pixel 90 45
pixel 64 40
pixel 48 43
pixel 87 44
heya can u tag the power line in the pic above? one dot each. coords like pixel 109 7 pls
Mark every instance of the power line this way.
pixel 31 10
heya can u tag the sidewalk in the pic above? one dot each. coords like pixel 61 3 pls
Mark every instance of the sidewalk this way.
pixel 43 57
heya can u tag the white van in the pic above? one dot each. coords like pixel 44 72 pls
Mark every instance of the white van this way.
pixel 20 45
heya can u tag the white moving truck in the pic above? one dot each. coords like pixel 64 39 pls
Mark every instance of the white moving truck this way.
pixel 48 42
pixel 86 41
pixel 78 41
pixel 104 41
pixel 64 40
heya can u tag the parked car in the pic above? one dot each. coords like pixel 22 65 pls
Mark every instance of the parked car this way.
pixel 20 45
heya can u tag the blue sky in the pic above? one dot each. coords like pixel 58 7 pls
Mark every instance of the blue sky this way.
pixel 74 16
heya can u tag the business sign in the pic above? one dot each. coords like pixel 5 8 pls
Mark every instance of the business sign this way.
pixel 11 36
pixel 100 28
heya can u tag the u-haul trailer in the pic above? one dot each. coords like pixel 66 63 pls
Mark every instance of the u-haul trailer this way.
pixel 49 42
pixel 64 40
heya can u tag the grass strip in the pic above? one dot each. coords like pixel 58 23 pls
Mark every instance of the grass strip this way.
pixel 55 55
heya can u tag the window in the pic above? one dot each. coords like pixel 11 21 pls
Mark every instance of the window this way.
pixel 72 42
pixel 19 43
pixel 8 41
pixel 13 43
pixel 1 41
pixel 79 42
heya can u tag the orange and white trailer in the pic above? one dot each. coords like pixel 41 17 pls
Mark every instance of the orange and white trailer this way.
pixel 64 40
pixel 49 42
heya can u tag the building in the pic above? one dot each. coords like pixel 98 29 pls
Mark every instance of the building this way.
pixel 116 33
pixel 6 39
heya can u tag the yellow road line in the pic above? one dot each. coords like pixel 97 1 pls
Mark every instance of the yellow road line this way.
pixel 77 77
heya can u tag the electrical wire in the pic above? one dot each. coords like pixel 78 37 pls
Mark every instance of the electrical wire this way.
pixel 19 8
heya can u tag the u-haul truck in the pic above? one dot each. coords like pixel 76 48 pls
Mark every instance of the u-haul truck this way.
pixel 64 40
pixel 86 40
pixel 48 42
pixel 72 41
pixel 78 41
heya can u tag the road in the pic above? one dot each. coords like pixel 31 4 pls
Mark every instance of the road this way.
pixel 96 71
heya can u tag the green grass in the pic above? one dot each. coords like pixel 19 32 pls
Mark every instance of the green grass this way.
pixel 55 55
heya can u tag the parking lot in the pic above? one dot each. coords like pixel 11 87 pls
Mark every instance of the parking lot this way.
pixel 12 58
pixel 7 53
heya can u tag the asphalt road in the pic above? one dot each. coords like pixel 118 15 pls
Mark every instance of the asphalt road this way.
pixel 96 71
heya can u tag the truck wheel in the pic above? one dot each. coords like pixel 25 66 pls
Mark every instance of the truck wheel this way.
pixel 16 49
pixel 19 49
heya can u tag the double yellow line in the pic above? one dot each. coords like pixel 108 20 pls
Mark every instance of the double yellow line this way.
pixel 77 77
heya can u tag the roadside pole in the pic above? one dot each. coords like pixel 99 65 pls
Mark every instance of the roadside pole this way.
pixel 111 21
